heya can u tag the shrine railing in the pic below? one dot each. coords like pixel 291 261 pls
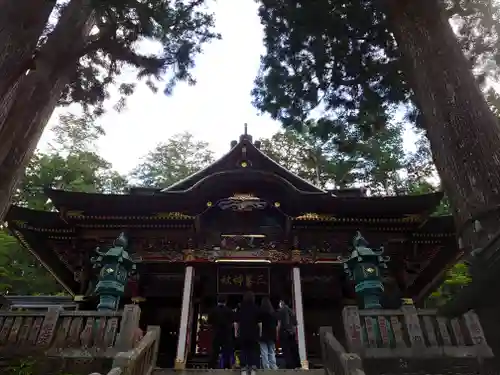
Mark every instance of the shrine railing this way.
pixel 69 334
pixel 140 360
pixel 411 332
pixel 336 360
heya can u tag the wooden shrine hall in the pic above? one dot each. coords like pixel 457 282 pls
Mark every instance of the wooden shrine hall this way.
pixel 243 223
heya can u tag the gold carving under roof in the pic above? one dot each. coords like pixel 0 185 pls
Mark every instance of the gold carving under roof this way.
pixel 242 202
pixel 315 216
pixel 173 215
pixel 243 197
pixel 19 223
pixel 413 218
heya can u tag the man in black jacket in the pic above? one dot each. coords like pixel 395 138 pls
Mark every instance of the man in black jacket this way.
pixel 248 332
pixel 221 320
pixel 287 325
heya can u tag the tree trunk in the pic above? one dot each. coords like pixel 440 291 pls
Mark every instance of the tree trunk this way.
pixel 21 25
pixel 37 95
pixel 463 132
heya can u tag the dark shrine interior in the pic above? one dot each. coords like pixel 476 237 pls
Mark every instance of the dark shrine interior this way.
pixel 322 293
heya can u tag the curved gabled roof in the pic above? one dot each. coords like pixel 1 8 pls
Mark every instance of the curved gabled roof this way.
pixel 245 152
pixel 243 170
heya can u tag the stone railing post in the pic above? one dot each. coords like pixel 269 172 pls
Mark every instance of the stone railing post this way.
pixel 154 355
pixel 353 329
pixel 477 335
pixel 49 325
pixel 335 359
pixel 412 324
pixel 128 327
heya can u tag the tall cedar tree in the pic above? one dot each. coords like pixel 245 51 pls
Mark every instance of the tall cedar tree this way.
pixel 72 164
pixel 23 22
pixel 88 46
pixel 358 60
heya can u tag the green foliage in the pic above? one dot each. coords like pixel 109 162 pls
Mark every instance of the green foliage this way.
pixel 74 134
pixel 478 31
pixel 456 279
pixel 341 57
pixel 72 165
pixel 29 366
pixel 22 367
pixel 378 163
pixel 83 171
pixel 20 272
pixel 170 162
pixel 383 161
pixel 312 158
pixel 173 31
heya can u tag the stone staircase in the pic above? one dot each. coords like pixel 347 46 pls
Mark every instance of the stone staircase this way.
pixel 411 354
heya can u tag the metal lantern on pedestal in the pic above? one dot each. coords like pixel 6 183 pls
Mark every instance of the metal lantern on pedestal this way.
pixel 364 266
pixel 116 267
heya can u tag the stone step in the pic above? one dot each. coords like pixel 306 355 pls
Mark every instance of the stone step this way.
pixel 164 371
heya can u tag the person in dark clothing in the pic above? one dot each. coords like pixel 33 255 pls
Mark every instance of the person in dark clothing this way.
pixel 248 332
pixel 221 319
pixel 287 323
pixel 268 335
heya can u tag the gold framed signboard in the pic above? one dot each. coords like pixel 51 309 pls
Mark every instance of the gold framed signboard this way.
pixel 238 280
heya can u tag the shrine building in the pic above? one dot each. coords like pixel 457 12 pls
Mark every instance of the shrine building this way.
pixel 243 223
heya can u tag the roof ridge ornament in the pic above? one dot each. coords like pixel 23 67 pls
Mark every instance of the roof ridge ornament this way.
pixel 245 135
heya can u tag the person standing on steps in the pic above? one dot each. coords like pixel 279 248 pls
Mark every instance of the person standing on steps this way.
pixel 248 332
pixel 221 320
pixel 268 334
pixel 287 324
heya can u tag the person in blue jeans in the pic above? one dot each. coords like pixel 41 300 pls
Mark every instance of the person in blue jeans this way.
pixel 268 334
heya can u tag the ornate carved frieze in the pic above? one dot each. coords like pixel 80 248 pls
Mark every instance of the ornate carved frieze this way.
pixel 276 256
pixel 241 242
pixel 242 202
pixel 159 245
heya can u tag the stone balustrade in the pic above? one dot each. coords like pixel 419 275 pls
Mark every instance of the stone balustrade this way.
pixel 141 360
pixel 413 333
pixel 58 337
pixel 336 360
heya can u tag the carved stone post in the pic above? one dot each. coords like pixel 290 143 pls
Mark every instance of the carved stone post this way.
pixel 412 323
pixel 353 329
pixel 476 333
pixel 128 327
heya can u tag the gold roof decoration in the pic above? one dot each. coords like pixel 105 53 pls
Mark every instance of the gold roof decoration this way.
pixel 74 213
pixel 315 216
pixel 173 215
pixel 244 197
pixel 413 218
pixel 242 202
pixel 19 223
